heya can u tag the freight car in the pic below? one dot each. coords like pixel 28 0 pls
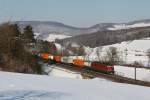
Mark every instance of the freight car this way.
pixel 79 62
pixel 57 58
pixel 67 60
pixel 45 56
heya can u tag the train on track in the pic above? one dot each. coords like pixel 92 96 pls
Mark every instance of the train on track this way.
pixel 78 61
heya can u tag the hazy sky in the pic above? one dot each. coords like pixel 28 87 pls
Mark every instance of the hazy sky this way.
pixel 81 13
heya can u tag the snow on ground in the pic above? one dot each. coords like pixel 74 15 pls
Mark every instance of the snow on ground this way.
pixel 56 71
pixel 124 26
pixel 141 73
pixel 15 86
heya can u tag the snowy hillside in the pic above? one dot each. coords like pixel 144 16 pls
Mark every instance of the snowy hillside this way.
pixel 50 27
pixel 124 26
pixel 15 86
pixel 129 51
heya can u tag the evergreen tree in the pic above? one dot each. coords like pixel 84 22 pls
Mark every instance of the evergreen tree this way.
pixel 28 33
pixel 17 30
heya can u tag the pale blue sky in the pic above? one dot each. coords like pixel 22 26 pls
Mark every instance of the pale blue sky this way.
pixel 81 13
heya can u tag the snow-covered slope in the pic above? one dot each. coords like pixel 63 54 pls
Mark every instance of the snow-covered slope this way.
pixel 15 86
pixel 129 51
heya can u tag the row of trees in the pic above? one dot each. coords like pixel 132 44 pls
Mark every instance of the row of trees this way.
pixel 111 56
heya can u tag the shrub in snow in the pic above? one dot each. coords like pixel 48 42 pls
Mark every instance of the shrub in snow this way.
pixel 138 64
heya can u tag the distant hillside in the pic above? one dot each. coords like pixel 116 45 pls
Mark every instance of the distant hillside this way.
pixel 49 27
pixel 108 37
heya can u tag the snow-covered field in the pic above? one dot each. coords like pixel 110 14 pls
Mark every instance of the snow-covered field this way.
pixel 141 73
pixel 15 86
pixel 56 71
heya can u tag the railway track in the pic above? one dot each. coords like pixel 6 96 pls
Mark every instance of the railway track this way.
pixel 112 77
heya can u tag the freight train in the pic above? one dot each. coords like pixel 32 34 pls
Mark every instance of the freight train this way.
pixel 78 61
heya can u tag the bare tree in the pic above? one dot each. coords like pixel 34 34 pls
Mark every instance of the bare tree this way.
pixel 112 56
pixel 98 53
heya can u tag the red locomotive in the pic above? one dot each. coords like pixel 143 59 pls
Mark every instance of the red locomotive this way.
pixel 102 67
